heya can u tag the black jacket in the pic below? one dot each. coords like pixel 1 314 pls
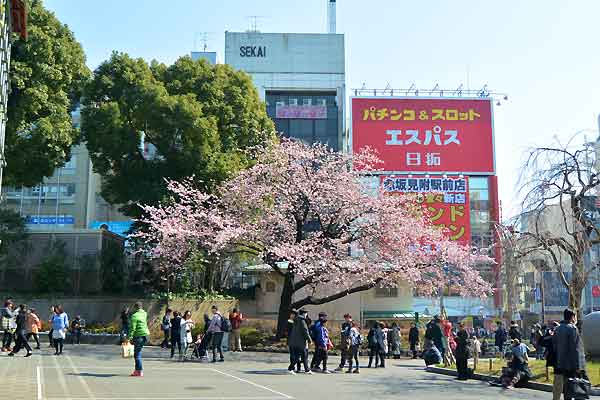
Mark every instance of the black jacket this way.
pixel 550 355
pixel 375 338
pixel 413 335
pixel 568 348
pixel 176 327
pixel 514 332
pixel 22 322
pixel 299 336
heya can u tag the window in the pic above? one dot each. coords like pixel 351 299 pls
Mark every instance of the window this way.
pixel 386 292
pixel 307 102
pixel 270 287
pixel 293 102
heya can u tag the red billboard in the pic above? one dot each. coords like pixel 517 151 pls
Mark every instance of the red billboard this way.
pixel 425 135
pixel 446 200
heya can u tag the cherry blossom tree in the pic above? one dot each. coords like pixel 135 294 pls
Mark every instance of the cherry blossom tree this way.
pixel 304 211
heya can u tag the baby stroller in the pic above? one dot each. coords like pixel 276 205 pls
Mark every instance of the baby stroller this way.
pixel 197 350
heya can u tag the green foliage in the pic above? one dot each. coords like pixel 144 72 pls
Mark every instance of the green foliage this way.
pixel 252 336
pixel 12 232
pixel 51 275
pixel 200 118
pixel 112 265
pixel 198 294
pixel 47 72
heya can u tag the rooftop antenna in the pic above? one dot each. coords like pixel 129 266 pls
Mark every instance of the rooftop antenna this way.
pixel 254 22
pixel 412 86
pixel 458 90
pixel 331 19
pixel 203 36
pixel 436 87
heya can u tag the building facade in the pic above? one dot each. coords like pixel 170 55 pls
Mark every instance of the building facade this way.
pixel 301 77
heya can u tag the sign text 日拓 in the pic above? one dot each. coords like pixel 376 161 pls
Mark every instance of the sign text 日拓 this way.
pixel 425 135
pixel 253 51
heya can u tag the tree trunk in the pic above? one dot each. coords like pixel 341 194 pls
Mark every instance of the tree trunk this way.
pixel 285 305
pixel 576 291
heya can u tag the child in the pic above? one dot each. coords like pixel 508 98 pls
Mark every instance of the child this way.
pixel 355 342
pixel 476 350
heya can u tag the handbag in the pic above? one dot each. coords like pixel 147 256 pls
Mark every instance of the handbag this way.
pixel 578 388
pixel 127 350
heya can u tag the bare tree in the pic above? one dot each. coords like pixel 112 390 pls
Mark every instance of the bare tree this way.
pixel 559 185
pixel 510 244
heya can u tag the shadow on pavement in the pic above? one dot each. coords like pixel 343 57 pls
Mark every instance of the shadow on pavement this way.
pixel 92 374
pixel 267 372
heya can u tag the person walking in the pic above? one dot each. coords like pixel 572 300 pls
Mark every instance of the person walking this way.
pixel 500 337
pixel 21 332
pixel 33 326
pixel 413 339
pixel 322 343
pixel 462 353
pixel 216 332
pixel 345 345
pixel 570 355
pixel 7 315
pixel 394 337
pixel 375 342
pixel 299 340
pixel 235 338
pixel 175 324
pixel 355 342
pixel 51 331
pixel 138 331
pixel 76 329
pixel 165 326
pixel 60 324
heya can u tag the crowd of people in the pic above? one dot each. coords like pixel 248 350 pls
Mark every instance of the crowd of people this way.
pixel 22 323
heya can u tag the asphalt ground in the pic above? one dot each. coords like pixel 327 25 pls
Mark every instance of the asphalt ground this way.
pixel 96 372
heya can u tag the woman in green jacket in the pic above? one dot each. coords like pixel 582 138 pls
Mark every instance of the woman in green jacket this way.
pixel 138 331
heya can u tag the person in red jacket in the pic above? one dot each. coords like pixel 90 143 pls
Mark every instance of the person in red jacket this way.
pixel 235 340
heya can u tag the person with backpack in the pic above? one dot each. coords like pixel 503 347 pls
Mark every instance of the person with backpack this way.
pixel 216 332
pixel 376 347
pixel 345 345
pixel 355 342
pixel 322 343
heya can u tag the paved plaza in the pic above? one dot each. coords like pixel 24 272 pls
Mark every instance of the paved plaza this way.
pixel 90 372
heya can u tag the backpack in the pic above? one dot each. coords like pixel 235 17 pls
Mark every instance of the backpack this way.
pixel 225 324
pixel 313 332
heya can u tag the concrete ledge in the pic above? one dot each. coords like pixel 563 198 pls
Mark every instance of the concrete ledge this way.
pixel 544 387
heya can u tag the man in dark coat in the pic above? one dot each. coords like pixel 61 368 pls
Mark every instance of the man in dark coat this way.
pixel 413 339
pixel 514 332
pixel 21 332
pixel 435 334
pixel 568 348
pixel 298 341
pixel 500 337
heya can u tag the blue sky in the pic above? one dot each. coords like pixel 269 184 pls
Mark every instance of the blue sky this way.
pixel 543 53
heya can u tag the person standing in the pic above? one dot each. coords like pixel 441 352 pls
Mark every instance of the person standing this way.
pixel 124 324
pixel 345 345
pixel 165 326
pixel 570 355
pixel 33 326
pixel 60 324
pixel 76 327
pixel 514 332
pixel 8 315
pixel 51 331
pixel 462 353
pixel 298 340
pixel 176 334
pixel 21 332
pixel 138 331
pixel 216 332
pixel 375 342
pixel 355 342
pixel 413 339
pixel 235 339
pixel 187 324
pixel 500 337
pixel 394 338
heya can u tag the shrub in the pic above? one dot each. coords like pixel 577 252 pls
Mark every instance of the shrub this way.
pixel 51 275
pixel 252 336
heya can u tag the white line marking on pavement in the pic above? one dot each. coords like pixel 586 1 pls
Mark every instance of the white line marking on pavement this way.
pixel 253 384
pixel 39 383
pixel 169 398
pixel 86 387
pixel 61 378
